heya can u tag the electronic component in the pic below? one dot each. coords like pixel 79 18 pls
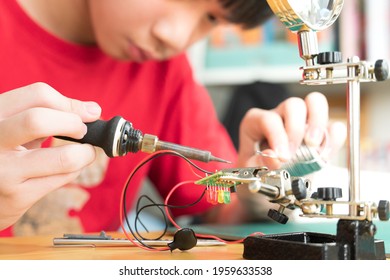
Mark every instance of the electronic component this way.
pixel 278 185
pixel 217 190
pixel 305 161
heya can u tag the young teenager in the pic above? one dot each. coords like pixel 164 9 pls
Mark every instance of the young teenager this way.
pixel 68 62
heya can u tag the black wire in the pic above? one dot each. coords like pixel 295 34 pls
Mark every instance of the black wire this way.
pixel 163 212
pixel 138 212
pixel 135 171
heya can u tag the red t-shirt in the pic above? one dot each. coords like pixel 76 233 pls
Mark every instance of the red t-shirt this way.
pixel 159 98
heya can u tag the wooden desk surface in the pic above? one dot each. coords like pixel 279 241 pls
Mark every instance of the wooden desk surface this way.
pixel 41 248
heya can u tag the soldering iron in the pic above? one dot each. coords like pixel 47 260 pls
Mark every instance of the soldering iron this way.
pixel 117 137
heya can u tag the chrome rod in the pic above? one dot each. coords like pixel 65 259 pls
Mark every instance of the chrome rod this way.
pixel 353 126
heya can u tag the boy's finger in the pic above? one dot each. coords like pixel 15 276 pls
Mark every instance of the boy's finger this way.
pixel 39 123
pixel 294 114
pixel 317 119
pixel 42 95
pixel 52 161
pixel 259 126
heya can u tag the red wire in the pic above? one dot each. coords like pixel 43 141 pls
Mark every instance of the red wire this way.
pixel 131 239
pixel 196 234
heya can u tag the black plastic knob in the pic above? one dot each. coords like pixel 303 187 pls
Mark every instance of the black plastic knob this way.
pixel 329 193
pixel 329 58
pixel 298 187
pixel 381 70
pixel 116 132
pixel 384 210
pixel 277 216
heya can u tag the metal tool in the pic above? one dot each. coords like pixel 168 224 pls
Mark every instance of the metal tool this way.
pixel 104 240
pixel 355 228
pixel 305 18
pixel 117 137
pixel 277 185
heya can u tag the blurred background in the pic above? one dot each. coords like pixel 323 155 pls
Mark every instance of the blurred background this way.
pixel 260 67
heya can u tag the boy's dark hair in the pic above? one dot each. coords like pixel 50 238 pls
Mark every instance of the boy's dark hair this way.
pixel 247 13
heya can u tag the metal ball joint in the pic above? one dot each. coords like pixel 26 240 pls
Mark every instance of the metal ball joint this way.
pixel 299 190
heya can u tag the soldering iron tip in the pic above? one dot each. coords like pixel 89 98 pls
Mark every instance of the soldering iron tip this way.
pixel 213 158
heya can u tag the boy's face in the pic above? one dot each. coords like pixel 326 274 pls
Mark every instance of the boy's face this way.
pixel 140 30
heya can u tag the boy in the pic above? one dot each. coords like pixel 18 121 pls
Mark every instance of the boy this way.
pixel 126 56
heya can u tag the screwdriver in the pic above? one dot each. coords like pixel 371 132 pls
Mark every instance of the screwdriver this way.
pixel 117 137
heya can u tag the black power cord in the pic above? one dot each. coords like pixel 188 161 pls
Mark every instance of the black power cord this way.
pixel 136 233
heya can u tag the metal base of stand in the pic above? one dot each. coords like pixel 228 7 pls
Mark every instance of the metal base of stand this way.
pixel 354 241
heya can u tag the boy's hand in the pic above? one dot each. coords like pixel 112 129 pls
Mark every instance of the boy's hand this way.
pixel 285 128
pixel 282 130
pixel 28 116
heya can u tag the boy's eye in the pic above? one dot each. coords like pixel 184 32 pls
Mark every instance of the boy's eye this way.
pixel 212 19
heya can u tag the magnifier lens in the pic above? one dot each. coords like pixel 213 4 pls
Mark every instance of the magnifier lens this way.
pixel 317 14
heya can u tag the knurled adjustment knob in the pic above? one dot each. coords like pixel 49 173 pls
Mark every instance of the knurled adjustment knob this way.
pixel 298 187
pixel 277 216
pixel 384 210
pixel 329 58
pixel 329 193
pixel 381 70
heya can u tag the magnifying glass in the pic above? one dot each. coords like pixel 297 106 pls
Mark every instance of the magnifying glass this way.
pixel 315 15
pixel 306 17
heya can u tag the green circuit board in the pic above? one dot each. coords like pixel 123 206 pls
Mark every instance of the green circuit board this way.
pixel 216 180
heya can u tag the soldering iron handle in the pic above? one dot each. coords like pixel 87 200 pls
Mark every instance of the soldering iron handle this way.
pixel 103 134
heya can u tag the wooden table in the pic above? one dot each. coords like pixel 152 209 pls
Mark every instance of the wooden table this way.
pixel 41 248
pixel 37 258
